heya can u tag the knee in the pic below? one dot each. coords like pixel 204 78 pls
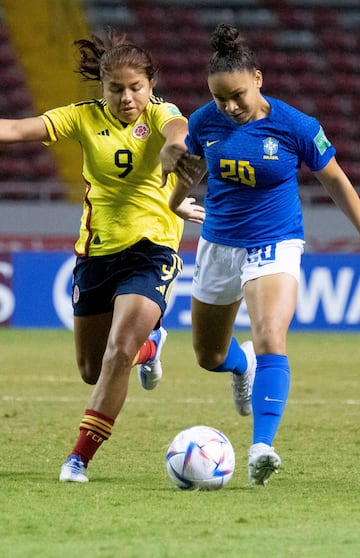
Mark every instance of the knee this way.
pixel 209 360
pixel 270 337
pixel 88 375
pixel 88 372
pixel 117 358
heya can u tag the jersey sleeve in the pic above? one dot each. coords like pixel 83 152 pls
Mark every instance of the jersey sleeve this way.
pixel 165 113
pixel 192 140
pixel 61 123
pixel 316 149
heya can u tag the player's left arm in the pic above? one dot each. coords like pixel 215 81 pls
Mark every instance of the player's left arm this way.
pixel 189 210
pixel 174 133
pixel 341 190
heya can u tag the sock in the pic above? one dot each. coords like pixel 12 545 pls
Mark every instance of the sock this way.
pixel 235 360
pixel 147 352
pixel 269 396
pixel 95 428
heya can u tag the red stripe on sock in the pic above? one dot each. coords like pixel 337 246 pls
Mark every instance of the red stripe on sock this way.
pixel 90 439
pixel 147 352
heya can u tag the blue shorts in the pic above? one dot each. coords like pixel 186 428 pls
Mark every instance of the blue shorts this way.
pixel 145 268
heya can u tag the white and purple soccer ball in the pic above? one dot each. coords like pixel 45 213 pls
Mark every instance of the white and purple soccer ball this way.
pixel 200 458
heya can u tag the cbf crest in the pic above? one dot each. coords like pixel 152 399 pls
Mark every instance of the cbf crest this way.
pixel 271 147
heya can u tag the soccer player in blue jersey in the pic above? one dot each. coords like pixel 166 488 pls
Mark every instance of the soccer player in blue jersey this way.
pixel 252 238
pixel 127 248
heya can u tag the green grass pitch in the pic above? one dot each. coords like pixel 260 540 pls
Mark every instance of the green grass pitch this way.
pixel 129 509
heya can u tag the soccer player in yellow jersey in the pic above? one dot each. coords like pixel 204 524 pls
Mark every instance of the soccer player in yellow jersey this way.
pixel 127 257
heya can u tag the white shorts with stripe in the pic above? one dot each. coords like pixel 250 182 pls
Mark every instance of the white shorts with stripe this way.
pixel 222 271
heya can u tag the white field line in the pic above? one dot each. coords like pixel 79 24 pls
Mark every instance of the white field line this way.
pixel 180 401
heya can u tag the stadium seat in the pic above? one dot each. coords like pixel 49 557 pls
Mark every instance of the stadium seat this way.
pixel 292 18
pixel 7 56
pixel 4 33
pixel 333 40
pixel 308 52
pixel 11 78
pixel 22 165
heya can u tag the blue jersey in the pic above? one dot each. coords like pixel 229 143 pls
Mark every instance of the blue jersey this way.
pixel 252 197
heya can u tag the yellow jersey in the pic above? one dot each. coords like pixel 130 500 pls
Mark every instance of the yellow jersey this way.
pixel 123 201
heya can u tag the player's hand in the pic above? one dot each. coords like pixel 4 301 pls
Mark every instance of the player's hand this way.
pixel 190 169
pixel 169 156
pixel 190 211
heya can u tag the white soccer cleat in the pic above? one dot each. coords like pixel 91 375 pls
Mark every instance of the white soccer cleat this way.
pixel 150 373
pixel 263 462
pixel 73 470
pixel 242 383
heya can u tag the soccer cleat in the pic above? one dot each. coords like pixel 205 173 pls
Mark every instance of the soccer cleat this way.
pixel 263 462
pixel 73 470
pixel 242 383
pixel 150 372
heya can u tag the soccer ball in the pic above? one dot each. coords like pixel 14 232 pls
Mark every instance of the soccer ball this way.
pixel 201 458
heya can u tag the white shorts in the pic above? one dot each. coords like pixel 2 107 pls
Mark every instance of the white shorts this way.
pixel 222 271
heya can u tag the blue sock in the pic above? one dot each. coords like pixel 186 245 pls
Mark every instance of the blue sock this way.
pixel 270 391
pixel 235 360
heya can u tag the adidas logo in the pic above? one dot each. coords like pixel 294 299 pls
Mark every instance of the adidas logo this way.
pixel 104 133
pixel 161 289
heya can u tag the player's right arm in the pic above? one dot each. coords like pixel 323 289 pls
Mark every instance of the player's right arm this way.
pixel 190 169
pixel 23 129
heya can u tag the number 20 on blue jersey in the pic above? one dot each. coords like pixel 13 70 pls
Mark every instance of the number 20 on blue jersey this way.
pixel 238 171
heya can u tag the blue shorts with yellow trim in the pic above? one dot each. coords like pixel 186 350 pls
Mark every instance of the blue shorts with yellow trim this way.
pixel 145 268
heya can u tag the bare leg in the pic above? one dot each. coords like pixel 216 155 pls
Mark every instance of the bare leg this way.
pixel 271 302
pixel 212 330
pixel 134 317
pixel 91 334
pixel 133 320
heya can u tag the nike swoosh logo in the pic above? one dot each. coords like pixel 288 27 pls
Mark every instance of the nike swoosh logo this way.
pixel 267 398
pixel 209 143
pixel 261 264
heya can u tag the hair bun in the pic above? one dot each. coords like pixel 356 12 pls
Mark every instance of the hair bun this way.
pixel 225 39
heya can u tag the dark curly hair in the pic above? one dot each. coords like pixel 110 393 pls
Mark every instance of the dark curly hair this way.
pixel 99 57
pixel 231 52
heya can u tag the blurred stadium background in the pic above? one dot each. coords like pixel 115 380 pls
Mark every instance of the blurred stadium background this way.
pixel 308 51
